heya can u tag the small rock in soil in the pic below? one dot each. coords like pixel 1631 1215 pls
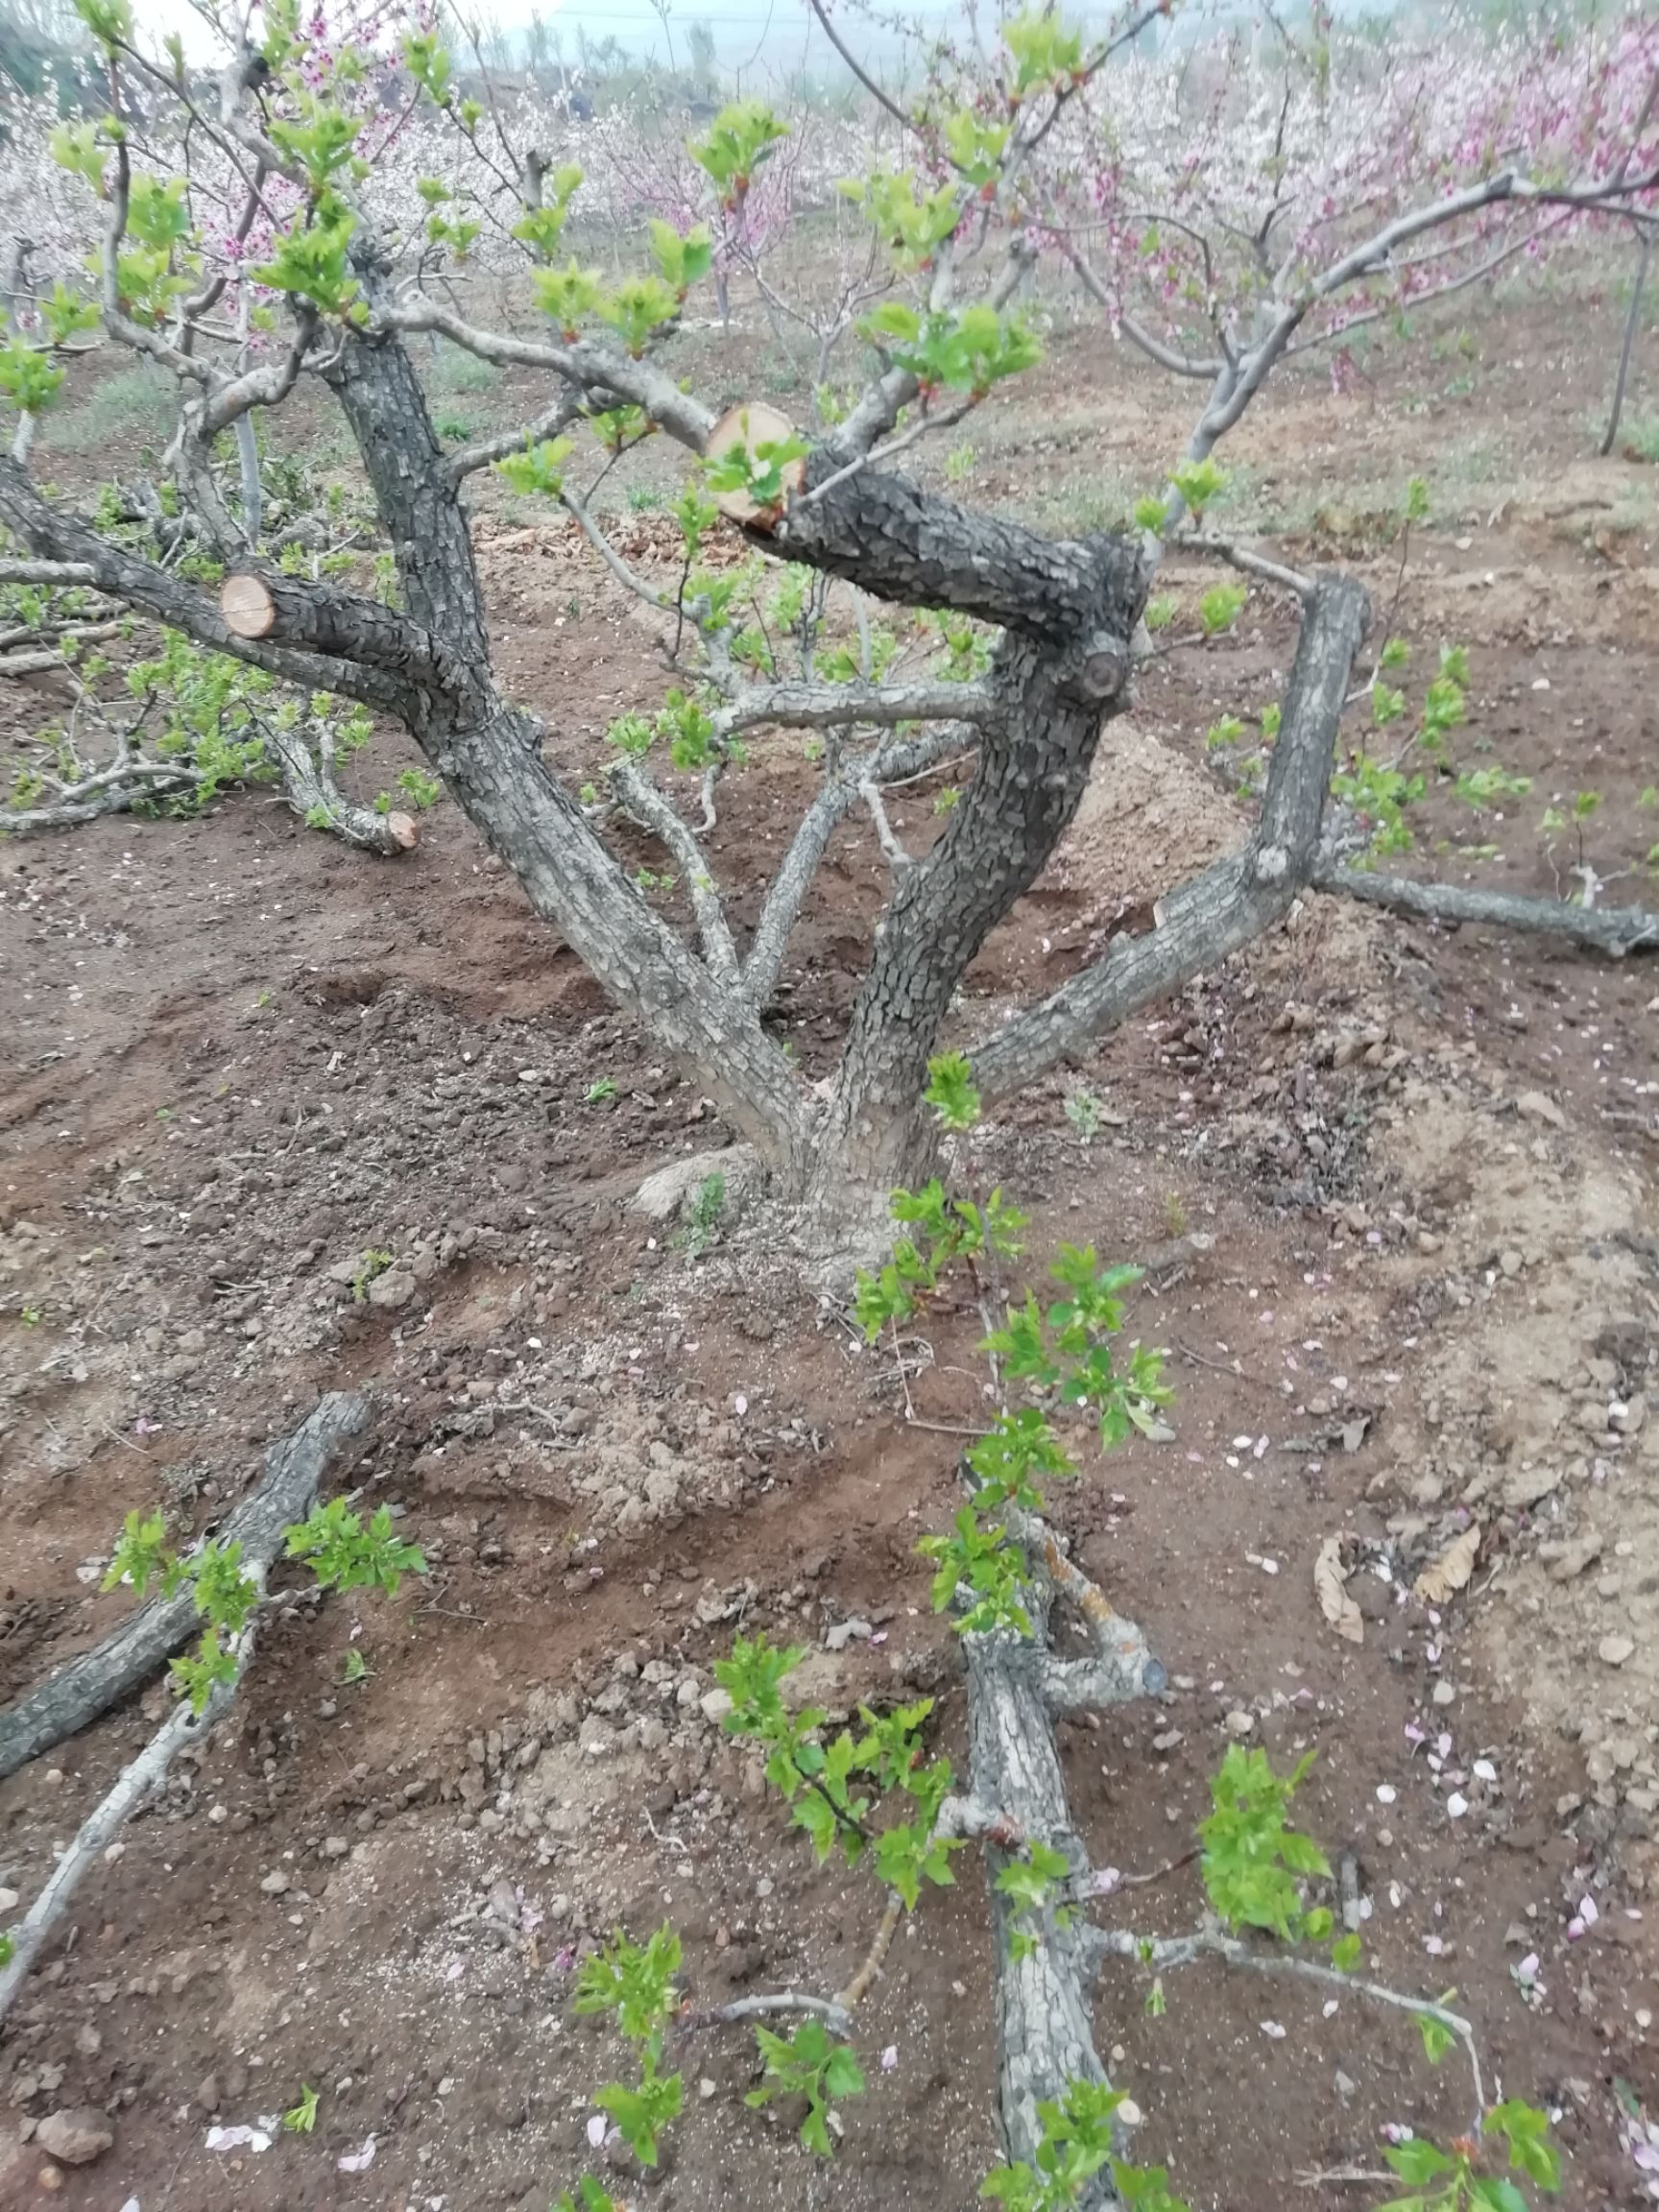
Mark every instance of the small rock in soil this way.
pixel 77 2135
pixel 1616 1649
pixel 1570 1559
pixel 1534 1106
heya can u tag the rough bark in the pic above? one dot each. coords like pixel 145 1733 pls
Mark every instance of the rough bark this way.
pixel 1034 762
pixel 487 752
pixel 261 602
pixel 130 1653
pixel 1233 901
pixel 1043 2001
pixel 898 542
pixel 1612 930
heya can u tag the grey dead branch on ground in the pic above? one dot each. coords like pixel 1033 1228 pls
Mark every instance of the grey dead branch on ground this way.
pixel 128 1656
pixel 90 1685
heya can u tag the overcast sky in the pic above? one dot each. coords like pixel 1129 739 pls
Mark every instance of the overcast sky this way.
pixel 776 34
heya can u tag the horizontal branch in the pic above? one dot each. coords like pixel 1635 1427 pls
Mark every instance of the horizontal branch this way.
pixel 1247 561
pixel 1231 901
pixel 113 790
pixel 826 706
pixel 902 544
pixel 1612 930
pixel 258 602
pixel 62 572
pixel 590 367
pixel 483 452
pixel 267 384
pixel 46 658
pixel 57 536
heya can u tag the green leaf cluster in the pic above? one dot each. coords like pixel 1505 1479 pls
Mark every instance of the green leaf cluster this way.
pixel 311 259
pixel 569 297
pixel 542 227
pixel 1076 2144
pixel 1221 606
pixel 943 1230
pixel 807 2065
pixel 681 260
pixel 1253 1862
pixel 633 1984
pixel 823 1783
pixel 345 1554
pixel 1451 2180
pixel 538 468
pixel 738 141
pixel 757 469
pixel 1046 50
pixel 911 221
pixel 963 350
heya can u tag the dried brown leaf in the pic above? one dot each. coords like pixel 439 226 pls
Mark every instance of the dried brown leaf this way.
pixel 1331 1587
pixel 1450 1571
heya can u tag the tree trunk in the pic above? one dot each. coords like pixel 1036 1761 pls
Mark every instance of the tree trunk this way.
pixel 488 753
pixel 1069 611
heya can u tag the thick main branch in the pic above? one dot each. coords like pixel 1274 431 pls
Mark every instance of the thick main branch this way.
pixel 1233 901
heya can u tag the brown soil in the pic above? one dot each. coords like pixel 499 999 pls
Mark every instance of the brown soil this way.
pixel 242 1057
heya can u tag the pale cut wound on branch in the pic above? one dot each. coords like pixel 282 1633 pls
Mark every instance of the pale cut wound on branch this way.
pixel 247 607
pixel 748 426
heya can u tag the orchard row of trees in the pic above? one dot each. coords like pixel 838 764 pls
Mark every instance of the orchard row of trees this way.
pixel 318 216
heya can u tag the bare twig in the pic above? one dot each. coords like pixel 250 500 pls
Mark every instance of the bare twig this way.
pixel 874 1958
pixel 1632 323
pixel 1210 1942
pixel 831 2010
pixel 1250 563
pixel 653 810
